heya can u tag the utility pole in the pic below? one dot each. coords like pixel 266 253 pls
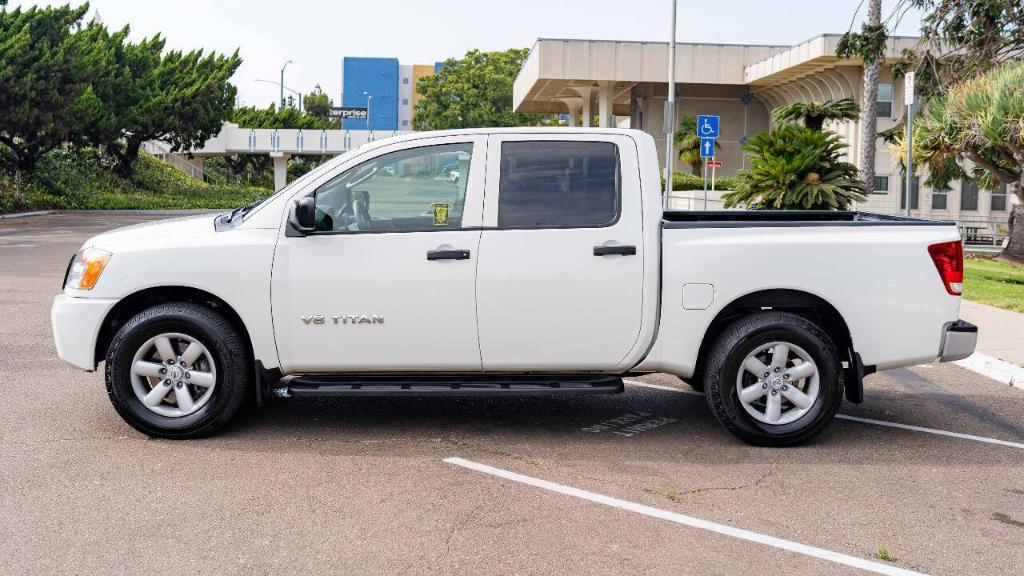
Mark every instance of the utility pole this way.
pixel 670 109
pixel 282 82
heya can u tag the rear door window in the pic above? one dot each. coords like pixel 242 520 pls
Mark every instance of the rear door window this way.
pixel 558 184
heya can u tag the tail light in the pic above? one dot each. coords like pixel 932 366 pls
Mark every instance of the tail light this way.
pixel 949 261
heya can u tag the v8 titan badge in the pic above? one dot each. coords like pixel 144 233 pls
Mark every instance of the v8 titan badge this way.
pixel 441 210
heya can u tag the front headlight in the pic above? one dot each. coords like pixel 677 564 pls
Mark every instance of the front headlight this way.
pixel 86 268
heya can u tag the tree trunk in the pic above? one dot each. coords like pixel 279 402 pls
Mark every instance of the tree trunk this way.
pixel 1015 248
pixel 869 107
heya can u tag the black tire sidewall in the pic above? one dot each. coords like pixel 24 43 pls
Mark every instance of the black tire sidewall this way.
pixel 197 322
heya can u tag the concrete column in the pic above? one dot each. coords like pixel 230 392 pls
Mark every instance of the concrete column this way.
pixel 605 105
pixel 280 169
pixel 586 93
pixel 573 104
pixel 197 163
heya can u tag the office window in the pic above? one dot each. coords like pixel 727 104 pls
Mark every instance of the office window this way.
pixel 968 195
pixel 915 186
pixel 405 101
pixel 881 185
pixel 405 80
pixel 999 199
pixel 884 100
pixel 558 184
pixel 405 122
pixel 939 200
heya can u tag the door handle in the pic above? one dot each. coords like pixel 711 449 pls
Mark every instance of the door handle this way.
pixel 448 255
pixel 609 250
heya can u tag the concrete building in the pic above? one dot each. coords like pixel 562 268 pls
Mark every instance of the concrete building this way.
pixel 612 81
pixel 386 87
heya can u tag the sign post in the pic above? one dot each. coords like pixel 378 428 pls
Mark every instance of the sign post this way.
pixel 714 165
pixel 707 129
pixel 908 95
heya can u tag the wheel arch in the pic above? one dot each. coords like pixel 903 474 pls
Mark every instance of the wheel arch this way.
pixel 138 301
pixel 799 302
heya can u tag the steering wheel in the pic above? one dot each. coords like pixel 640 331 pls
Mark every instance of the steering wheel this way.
pixel 361 208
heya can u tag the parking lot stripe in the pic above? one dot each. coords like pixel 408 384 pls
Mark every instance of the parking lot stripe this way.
pixel 971 437
pixel 685 520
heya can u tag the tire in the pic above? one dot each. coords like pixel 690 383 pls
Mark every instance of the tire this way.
pixel 225 361
pixel 756 336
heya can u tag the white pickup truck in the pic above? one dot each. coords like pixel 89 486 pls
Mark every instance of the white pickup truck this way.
pixel 547 267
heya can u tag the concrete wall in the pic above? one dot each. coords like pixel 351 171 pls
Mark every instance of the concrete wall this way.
pixel 740 117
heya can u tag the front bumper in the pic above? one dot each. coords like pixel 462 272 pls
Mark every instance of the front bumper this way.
pixel 958 341
pixel 76 324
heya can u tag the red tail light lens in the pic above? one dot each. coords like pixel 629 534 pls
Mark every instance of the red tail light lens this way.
pixel 949 261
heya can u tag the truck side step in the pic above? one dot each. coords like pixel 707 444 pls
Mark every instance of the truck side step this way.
pixel 452 385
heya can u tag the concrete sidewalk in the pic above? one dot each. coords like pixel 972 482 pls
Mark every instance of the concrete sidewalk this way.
pixel 1000 332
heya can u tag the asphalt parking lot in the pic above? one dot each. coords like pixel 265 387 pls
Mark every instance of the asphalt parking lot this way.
pixel 645 482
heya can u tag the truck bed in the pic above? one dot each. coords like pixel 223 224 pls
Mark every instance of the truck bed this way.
pixel 788 218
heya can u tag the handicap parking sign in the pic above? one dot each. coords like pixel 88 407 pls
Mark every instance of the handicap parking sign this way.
pixel 707 127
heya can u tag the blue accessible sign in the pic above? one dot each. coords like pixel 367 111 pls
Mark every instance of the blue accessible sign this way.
pixel 707 147
pixel 707 126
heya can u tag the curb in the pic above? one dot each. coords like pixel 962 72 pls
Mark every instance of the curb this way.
pixel 994 369
pixel 25 214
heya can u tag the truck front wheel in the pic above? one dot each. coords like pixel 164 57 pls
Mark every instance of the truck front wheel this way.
pixel 178 370
pixel 773 379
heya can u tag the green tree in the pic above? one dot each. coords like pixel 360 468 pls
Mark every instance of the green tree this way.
pixel 796 168
pixel 44 84
pixel 869 45
pixel 977 128
pixel 318 104
pixel 687 142
pixel 178 97
pixel 814 114
pixel 472 92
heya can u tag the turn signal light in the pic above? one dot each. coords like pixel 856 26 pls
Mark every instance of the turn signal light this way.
pixel 86 268
pixel 949 261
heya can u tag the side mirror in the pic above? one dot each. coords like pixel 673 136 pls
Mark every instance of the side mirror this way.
pixel 303 214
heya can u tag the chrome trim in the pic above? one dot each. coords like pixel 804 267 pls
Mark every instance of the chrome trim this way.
pixel 958 341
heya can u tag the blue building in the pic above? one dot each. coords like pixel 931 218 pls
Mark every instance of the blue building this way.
pixel 376 78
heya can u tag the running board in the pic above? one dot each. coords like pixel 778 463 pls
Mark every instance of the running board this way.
pixel 317 386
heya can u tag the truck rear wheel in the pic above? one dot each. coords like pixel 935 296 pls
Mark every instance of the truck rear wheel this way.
pixel 178 370
pixel 773 379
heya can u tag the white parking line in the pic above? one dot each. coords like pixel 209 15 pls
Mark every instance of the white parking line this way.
pixel 996 441
pixel 685 520
pixel 17 245
pixel 973 438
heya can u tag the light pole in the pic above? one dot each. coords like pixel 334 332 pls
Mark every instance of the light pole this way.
pixel 298 94
pixel 282 81
pixel 369 99
pixel 908 96
pixel 670 109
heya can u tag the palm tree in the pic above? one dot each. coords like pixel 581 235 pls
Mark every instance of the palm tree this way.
pixel 687 141
pixel 869 121
pixel 814 114
pixel 796 168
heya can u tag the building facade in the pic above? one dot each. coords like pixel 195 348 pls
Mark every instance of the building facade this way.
pixel 386 87
pixel 614 81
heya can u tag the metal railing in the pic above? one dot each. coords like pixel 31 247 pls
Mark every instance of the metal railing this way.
pixel 178 161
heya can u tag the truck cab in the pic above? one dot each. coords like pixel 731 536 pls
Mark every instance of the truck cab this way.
pixel 545 266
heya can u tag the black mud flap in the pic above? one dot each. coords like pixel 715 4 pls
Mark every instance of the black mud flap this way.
pixel 853 379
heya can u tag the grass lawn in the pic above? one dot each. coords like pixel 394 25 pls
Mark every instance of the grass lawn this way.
pixel 994 282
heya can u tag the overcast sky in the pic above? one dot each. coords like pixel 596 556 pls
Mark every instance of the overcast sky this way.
pixel 316 34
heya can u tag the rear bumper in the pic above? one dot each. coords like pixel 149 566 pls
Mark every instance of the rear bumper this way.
pixel 958 341
pixel 76 325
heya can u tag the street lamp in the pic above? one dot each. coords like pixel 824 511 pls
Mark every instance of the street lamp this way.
pixel 298 94
pixel 369 99
pixel 282 81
